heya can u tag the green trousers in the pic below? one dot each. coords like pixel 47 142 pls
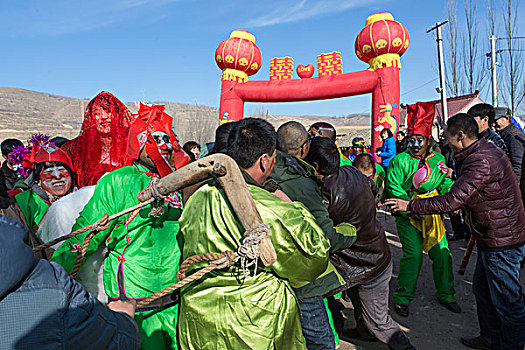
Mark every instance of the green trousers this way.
pixel 158 328
pixel 411 262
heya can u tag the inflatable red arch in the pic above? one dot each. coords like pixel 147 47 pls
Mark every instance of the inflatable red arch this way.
pixel 380 44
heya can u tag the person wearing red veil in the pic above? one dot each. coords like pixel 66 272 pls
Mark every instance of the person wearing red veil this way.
pixel 144 248
pixel 100 147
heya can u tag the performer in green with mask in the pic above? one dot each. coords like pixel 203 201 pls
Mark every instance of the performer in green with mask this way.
pixel 418 172
pixel 143 252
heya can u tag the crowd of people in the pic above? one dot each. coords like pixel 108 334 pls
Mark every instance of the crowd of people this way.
pixel 318 203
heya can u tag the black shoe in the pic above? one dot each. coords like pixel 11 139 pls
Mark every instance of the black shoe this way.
pixel 452 307
pixel 402 310
pixel 456 236
pixel 355 334
pixel 475 343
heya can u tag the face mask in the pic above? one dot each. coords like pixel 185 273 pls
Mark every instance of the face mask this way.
pixel 417 144
pixel 163 143
pixel 56 180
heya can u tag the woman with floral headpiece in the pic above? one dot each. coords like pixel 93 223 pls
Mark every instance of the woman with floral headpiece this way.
pixel 100 147
pixel 50 178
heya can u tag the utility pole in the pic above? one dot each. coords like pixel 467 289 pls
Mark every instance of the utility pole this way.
pixel 493 68
pixel 441 61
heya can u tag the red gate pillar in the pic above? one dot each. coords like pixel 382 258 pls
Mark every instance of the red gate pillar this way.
pixel 385 104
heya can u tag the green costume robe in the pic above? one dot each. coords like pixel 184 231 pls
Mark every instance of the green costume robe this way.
pixel 33 206
pixel 145 251
pixel 399 185
pixel 225 311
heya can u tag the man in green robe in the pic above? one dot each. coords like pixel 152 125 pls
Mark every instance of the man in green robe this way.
pixel 143 251
pixel 414 173
pixel 224 310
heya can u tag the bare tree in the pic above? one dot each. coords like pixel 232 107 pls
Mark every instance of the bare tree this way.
pixel 513 92
pixel 491 16
pixel 475 73
pixel 453 68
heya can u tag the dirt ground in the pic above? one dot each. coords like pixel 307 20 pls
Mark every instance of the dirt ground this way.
pixel 429 325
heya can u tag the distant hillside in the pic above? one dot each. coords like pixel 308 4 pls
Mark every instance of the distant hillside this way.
pixel 24 112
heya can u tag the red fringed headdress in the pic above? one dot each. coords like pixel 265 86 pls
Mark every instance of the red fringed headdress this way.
pixel 101 146
pixel 420 117
pixel 153 118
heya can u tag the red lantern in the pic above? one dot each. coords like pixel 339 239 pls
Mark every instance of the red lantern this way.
pixel 382 41
pixel 238 57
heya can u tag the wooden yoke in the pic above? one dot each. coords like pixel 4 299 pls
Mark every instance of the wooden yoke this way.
pixel 230 177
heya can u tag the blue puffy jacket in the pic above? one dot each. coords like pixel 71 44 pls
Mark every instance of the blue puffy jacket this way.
pixel 41 307
pixel 388 151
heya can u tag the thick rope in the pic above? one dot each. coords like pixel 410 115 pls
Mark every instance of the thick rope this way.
pixel 93 226
pixel 248 253
pixel 219 261
pixel 157 207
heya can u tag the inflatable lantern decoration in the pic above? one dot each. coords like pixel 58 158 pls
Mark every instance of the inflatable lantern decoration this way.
pixel 382 41
pixel 238 57
pixel 380 44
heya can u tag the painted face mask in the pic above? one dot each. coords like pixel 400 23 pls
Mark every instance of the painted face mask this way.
pixel 56 180
pixel 163 143
pixel 418 145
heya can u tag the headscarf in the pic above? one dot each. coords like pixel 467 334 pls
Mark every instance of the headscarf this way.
pixel 153 118
pixel 106 120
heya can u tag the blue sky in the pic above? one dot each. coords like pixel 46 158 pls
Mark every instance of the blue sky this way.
pixel 164 49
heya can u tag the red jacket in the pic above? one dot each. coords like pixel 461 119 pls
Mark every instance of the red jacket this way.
pixel 487 187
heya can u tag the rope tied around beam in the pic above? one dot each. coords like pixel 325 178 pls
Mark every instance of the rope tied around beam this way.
pixel 157 207
pixel 247 253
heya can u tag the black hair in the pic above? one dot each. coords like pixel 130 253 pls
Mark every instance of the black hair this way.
pixel 482 110
pixel 401 133
pixel 189 145
pixel 221 137
pixel 49 164
pixel 463 122
pixel 323 155
pixel 8 145
pixel 365 161
pixel 324 125
pixel 249 139
pixel 388 131
pixel 59 141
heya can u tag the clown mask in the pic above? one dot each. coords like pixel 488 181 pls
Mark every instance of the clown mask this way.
pixel 418 144
pixel 56 180
pixel 163 143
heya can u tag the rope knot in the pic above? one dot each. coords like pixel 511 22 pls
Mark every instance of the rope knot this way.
pixel 101 224
pixel 157 207
pixel 248 252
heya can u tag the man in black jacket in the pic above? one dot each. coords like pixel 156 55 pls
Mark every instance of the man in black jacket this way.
pixel 366 266
pixel 41 307
pixel 488 189
pixel 514 138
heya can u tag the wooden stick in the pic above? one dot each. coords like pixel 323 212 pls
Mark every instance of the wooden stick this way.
pixel 231 180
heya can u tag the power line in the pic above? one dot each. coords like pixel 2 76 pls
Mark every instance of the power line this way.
pixel 419 87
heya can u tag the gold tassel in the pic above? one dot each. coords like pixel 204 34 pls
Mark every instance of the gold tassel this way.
pixel 235 75
pixel 386 60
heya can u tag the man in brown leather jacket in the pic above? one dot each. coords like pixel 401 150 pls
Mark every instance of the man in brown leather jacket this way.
pixel 487 187
pixel 366 266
